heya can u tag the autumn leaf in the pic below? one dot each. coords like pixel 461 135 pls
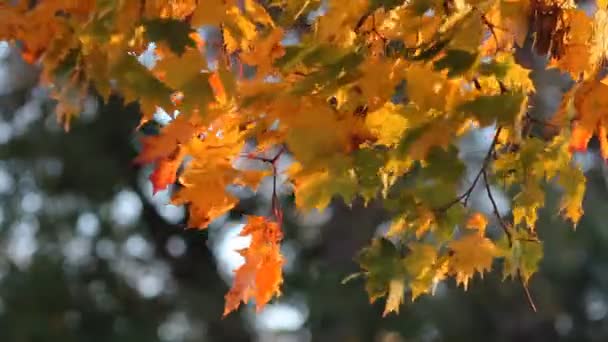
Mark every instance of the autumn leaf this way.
pixel 591 103
pixel 206 177
pixel 521 257
pixel 260 277
pixel 471 254
pixel 477 221
pixel 422 267
pixel 396 290
pixel 165 172
pixel 174 33
pixel 163 145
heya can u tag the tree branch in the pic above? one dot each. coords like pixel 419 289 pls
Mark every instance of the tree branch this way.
pixel 502 223
pixel 467 194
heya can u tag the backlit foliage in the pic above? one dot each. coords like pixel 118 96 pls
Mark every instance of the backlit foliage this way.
pixel 370 97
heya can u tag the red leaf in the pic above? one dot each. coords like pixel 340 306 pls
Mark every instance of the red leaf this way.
pixel 165 172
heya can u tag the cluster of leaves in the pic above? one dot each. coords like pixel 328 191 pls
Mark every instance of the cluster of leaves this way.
pixel 370 98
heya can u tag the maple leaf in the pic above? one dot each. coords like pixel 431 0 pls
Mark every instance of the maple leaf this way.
pixel 387 123
pixel 265 52
pixel 260 277
pixel 521 257
pixel 591 103
pixel 572 180
pixel 136 83
pixel 478 221
pixel 165 172
pixel 163 145
pixel 471 254
pixel 175 33
pixel 575 55
pixel 420 264
pixel 316 188
pixel 382 268
pixel 206 177
pixel 396 290
pixel 502 108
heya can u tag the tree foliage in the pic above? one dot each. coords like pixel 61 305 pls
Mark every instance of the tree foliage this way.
pixel 371 99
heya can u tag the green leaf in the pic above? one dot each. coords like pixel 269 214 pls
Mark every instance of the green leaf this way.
pixel 428 52
pixel 523 257
pixel 382 263
pixel 316 189
pixel 175 33
pixel 309 56
pixel 502 108
pixel 136 82
pixel 493 67
pixel 328 74
pixel 367 163
pixel 456 61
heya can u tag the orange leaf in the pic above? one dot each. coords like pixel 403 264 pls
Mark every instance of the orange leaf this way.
pixel 218 88
pixel 602 135
pixel 580 138
pixel 156 147
pixel 591 103
pixel 478 221
pixel 261 275
pixel 165 172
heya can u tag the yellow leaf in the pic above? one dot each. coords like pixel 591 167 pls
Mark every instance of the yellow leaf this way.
pixel 468 33
pixel 433 135
pixel 572 179
pixel 428 89
pixel 176 70
pixel 315 189
pixel 378 90
pixel 337 24
pixel 396 290
pixel 420 265
pixel 265 52
pixel 527 203
pixel 471 254
pixel 258 13
pixel 387 123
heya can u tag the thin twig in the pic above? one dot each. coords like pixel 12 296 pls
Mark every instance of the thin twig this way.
pixel 465 195
pixel 502 223
pixel 527 291
pixel 275 204
pixel 362 21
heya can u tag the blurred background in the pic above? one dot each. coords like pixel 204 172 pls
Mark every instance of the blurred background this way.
pixel 87 253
